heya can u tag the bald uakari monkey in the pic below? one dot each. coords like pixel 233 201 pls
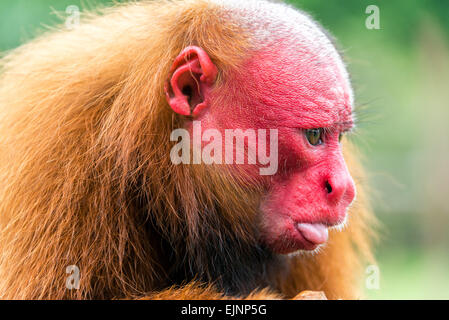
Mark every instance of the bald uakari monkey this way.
pixel 87 180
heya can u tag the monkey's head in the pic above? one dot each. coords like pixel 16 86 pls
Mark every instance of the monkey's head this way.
pixel 292 80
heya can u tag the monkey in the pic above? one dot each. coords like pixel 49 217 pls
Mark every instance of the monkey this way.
pixel 87 180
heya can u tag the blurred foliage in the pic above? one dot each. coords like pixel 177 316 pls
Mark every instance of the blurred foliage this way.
pixel 401 76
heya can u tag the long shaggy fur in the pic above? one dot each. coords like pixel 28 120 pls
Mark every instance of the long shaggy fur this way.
pixel 86 178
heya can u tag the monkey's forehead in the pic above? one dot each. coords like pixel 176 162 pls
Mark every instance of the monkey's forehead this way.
pixel 291 36
pixel 297 91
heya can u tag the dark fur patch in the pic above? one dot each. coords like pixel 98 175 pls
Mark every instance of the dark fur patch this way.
pixel 236 267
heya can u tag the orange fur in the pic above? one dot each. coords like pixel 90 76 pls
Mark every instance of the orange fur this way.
pixel 84 131
pixel 193 291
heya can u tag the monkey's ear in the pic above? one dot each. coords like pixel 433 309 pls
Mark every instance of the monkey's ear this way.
pixel 192 74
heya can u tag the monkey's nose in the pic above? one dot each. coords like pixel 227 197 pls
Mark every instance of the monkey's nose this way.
pixel 340 192
pixel 328 187
pixel 340 189
pixel 335 189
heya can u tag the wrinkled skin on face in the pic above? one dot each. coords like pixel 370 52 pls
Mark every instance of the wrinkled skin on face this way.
pixel 278 89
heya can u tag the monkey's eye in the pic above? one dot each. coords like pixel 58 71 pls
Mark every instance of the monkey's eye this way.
pixel 314 136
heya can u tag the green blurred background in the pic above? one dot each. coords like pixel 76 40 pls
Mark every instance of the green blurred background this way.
pixel 401 76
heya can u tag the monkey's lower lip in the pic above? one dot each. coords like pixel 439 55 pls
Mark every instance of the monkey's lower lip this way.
pixel 315 233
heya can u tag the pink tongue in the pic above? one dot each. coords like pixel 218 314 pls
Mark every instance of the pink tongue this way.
pixel 313 232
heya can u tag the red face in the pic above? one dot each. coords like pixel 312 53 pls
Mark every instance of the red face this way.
pixel 308 100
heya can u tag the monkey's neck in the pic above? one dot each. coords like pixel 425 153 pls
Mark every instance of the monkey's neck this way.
pixel 233 265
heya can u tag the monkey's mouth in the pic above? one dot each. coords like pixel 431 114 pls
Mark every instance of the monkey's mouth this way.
pixel 312 234
pixel 292 236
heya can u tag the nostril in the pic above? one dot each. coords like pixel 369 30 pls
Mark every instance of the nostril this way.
pixel 328 187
